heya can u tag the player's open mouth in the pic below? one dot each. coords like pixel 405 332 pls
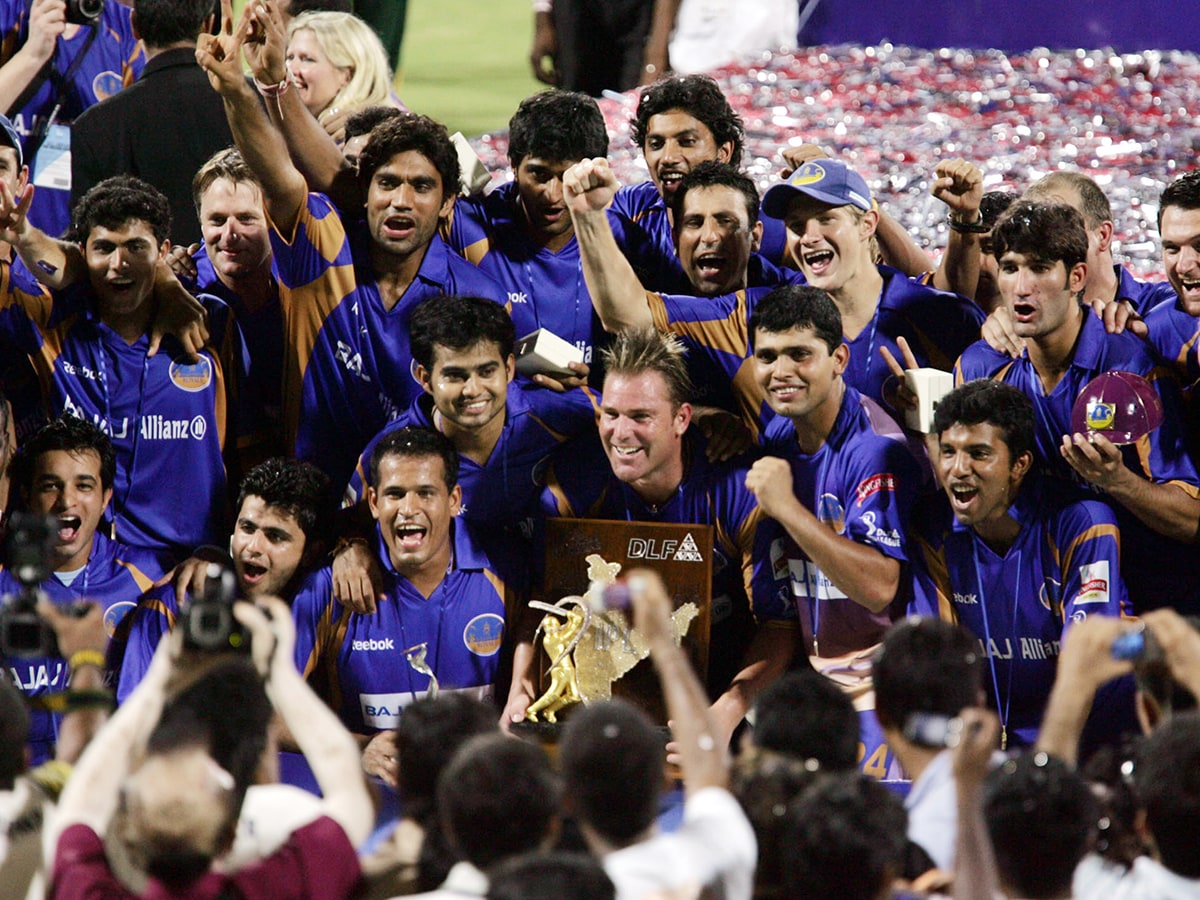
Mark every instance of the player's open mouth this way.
pixel 709 266
pixel 963 494
pixel 670 180
pixel 68 528
pixel 818 261
pixel 399 226
pixel 410 536
pixel 626 452
pixel 252 573
pixel 120 284
pixel 1023 312
pixel 473 407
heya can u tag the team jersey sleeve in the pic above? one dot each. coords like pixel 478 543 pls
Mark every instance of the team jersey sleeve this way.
pixel 154 616
pixel 1089 545
pixel 1162 454
pixel 879 491
pixel 311 611
pixel 26 308
pixel 317 245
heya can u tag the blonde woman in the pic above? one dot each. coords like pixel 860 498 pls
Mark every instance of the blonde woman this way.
pixel 338 65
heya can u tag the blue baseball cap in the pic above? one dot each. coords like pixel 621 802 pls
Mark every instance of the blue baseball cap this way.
pixel 11 138
pixel 828 180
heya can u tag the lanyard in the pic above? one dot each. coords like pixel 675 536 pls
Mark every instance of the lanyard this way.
pixel 987 636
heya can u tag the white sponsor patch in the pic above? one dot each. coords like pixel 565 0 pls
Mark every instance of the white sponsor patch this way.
pixel 1093 583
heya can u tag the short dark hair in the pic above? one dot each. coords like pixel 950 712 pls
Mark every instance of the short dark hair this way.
pixel 1040 816
pixel 804 715
pixel 925 665
pixel 162 22
pixel 1167 781
pixel 846 839
pixel 994 403
pixel 297 488
pixel 1093 202
pixel 116 201
pixel 558 126
pixel 1048 232
pixel 798 306
pixel 73 435
pixel 496 798
pixel 429 732
pixel 410 131
pixel 994 203
pixel 363 121
pixel 1183 192
pixel 612 763
pixel 711 173
pixel 458 323
pixel 415 442
pixel 550 876
pixel 699 97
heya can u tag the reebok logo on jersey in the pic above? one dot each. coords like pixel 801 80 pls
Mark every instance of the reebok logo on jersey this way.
pixel 372 644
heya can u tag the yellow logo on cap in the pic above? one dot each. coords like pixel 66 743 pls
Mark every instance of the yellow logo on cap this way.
pixel 1100 415
pixel 809 173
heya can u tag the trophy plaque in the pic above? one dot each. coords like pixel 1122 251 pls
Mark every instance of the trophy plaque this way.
pixel 587 648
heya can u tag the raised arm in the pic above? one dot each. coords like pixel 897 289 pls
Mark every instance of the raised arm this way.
pixel 328 748
pixel 619 298
pixel 261 144
pixel 702 756
pixel 959 184
pixel 315 154
pixel 54 263
pixel 47 20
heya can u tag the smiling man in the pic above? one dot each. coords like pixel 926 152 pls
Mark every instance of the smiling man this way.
pixel 348 287
pixel 90 343
pixel 442 622
pixel 839 483
pixel 1041 251
pixel 66 471
pixel 650 466
pixel 1021 560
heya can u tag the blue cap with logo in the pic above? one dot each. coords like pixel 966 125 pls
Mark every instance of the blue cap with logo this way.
pixel 11 138
pixel 828 180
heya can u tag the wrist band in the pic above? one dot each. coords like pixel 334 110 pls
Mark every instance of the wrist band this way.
pixel 82 658
pixel 273 90
pixel 976 227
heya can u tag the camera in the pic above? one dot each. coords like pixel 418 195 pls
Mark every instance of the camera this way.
pixel 28 555
pixel 84 12
pixel 208 623
pixel 933 731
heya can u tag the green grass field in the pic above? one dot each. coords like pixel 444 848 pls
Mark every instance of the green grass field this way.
pixel 465 62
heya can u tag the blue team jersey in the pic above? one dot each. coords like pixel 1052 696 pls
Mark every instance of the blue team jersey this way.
pixel 113 61
pixel 1144 295
pixel 166 416
pixel 153 616
pixel 862 483
pixel 537 422
pixel 646 238
pixel 937 325
pixel 349 369
pixel 114 577
pixel 1063 567
pixel 1175 336
pixel 581 484
pixel 356 662
pixel 260 414
pixel 545 288
pixel 1159 571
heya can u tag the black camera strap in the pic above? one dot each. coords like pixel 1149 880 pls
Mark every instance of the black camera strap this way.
pixel 62 84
